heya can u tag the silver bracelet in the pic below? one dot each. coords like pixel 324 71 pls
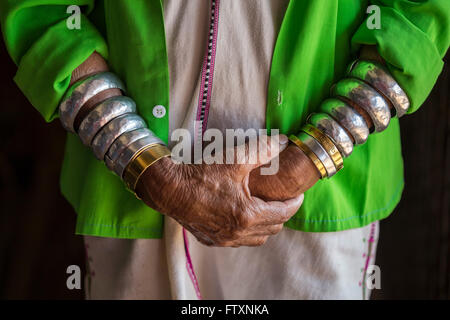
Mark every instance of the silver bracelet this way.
pixel 367 98
pixel 320 152
pixel 102 114
pixel 348 118
pixel 111 131
pixel 124 141
pixel 81 92
pixel 380 78
pixel 334 131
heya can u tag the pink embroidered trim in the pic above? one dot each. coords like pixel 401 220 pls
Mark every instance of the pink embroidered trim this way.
pixel 204 99
pixel 368 257
pixel 371 241
pixel 190 267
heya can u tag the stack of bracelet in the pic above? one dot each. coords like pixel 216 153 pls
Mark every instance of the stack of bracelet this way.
pixel 120 137
pixel 113 130
pixel 331 134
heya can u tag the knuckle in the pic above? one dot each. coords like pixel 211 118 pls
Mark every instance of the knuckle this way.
pixel 208 244
pixel 225 240
pixel 244 222
pixel 283 214
pixel 276 229
pixel 284 211
pixel 232 236
pixel 223 244
pixel 204 241
pixel 260 241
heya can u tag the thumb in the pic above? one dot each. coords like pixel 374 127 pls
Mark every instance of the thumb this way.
pixel 261 150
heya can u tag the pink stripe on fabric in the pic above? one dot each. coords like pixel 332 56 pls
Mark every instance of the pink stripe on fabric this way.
pixel 211 73
pixel 190 267
pixel 371 240
pixel 368 257
pixel 213 60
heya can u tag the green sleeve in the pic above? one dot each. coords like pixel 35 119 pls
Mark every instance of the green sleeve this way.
pixel 45 49
pixel 413 38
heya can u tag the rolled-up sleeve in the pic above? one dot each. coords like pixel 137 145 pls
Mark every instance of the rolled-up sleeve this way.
pixel 45 49
pixel 413 38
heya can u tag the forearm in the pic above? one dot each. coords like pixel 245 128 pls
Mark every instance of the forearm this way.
pixel 93 65
pixel 107 122
pixel 362 103
pixel 368 53
pixel 298 171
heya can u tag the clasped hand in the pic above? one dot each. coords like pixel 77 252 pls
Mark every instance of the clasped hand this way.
pixel 231 205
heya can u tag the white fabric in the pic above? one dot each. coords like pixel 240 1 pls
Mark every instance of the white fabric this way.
pixel 126 269
pixel 291 265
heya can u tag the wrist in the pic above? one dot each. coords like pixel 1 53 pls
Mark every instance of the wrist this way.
pixel 108 123
pixel 305 168
pixel 157 183
pixel 92 65
pixel 92 103
pixel 371 53
pixel 362 103
pixel 144 156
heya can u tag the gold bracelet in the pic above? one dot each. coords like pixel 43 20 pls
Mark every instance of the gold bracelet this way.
pixel 311 155
pixel 327 144
pixel 141 162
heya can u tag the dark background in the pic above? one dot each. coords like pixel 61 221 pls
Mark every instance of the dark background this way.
pixel 37 241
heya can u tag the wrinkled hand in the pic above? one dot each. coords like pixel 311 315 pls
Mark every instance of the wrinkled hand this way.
pixel 214 202
pixel 296 174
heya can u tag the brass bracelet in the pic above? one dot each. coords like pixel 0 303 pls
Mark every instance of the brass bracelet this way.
pixel 311 155
pixel 141 162
pixel 327 144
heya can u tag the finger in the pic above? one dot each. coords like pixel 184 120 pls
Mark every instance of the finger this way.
pixel 265 230
pixel 252 235
pixel 275 212
pixel 259 151
pixel 247 242
pixel 200 236
pixel 251 241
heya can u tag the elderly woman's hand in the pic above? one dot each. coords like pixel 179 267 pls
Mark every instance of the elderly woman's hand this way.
pixel 214 202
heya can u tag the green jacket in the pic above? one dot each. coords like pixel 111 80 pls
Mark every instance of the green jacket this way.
pixel 316 42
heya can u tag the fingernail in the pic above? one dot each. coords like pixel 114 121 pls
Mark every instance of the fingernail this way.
pixel 283 139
